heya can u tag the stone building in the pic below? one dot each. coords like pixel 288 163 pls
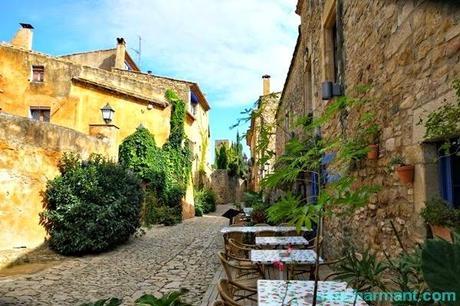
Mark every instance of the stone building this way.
pixel 71 90
pixel 409 53
pixel 262 117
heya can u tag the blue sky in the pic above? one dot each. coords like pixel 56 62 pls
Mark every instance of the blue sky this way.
pixel 224 45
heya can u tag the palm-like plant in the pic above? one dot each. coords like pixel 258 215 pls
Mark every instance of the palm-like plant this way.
pixel 173 298
pixel 363 271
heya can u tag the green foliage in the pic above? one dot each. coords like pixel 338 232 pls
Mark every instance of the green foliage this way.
pixel 105 302
pixel 397 160
pixel 170 299
pixel 440 266
pixel 363 272
pixel 138 151
pixel 205 201
pixel 437 212
pixel 166 169
pixel 92 207
pixel 173 298
pixel 252 198
pixel 221 158
pixel 407 274
pixel 259 213
pixel 443 123
pixel 232 159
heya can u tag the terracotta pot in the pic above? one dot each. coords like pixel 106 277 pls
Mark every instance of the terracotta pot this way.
pixel 373 153
pixel 405 173
pixel 441 232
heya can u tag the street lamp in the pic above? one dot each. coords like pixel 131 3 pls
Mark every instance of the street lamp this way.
pixel 107 113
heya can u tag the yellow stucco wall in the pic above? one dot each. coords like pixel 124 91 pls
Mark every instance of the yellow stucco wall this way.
pixel 76 104
pixel 29 155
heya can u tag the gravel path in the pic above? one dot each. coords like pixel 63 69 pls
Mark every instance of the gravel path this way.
pixel 164 259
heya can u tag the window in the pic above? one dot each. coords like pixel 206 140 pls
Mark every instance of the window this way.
pixel 450 177
pixel 330 45
pixel 40 113
pixel 193 103
pixel 38 73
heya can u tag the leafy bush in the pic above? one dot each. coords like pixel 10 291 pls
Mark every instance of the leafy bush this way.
pixel 437 212
pixel 167 169
pixel 363 271
pixel 173 298
pixel 92 206
pixel 440 266
pixel 155 213
pixel 252 198
pixel 205 200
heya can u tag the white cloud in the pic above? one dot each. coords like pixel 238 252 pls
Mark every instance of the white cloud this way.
pixel 224 45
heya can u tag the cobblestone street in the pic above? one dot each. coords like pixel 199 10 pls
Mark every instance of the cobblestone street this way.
pixel 164 259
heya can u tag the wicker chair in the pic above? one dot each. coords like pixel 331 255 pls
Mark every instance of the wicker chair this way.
pixel 236 236
pixel 240 271
pixel 230 291
pixel 296 270
pixel 266 234
pixel 238 249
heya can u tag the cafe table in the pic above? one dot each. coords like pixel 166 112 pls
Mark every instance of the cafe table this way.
pixel 281 241
pixel 257 229
pixel 280 258
pixel 300 293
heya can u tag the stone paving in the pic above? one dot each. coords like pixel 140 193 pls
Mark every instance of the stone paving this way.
pixel 164 259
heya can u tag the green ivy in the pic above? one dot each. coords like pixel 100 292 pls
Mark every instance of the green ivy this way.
pixel 167 170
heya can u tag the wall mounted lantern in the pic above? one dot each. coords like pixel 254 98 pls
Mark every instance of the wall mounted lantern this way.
pixel 107 113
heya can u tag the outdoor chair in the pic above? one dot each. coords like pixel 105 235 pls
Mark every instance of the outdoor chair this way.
pixel 242 272
pixel 239 249
pixel 300 269
pixel 266 234
pixel 231 292
pixel 235 236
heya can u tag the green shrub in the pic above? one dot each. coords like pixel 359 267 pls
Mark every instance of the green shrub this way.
pixel 252 198
pixel 166 215
pixel 92 207
pixel 205 200
pixel 156 213
pixel 437 212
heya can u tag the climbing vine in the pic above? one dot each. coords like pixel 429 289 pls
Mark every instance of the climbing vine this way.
pixel 443 124
pixel 165 170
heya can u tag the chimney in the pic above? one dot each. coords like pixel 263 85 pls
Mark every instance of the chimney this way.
pixel 23 37
pixel 120 53
pixel 266 84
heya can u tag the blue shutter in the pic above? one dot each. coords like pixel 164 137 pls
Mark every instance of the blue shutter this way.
pixel 445 164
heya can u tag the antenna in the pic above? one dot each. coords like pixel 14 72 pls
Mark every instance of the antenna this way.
pixel 139 50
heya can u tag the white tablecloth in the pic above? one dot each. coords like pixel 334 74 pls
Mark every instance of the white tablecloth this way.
pixel 300 293
pixel 281 241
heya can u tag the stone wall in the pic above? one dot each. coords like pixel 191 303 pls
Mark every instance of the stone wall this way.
pixel 29 154
pixel 228 189
pixel 409 52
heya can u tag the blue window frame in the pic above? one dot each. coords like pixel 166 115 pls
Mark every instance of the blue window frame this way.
pixel 449 169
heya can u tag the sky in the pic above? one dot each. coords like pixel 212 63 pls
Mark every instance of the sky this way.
pixel 223 45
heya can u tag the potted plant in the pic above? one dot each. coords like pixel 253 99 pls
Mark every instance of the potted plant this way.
pixel 405 172
pixel 373 131
pixel 441 218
